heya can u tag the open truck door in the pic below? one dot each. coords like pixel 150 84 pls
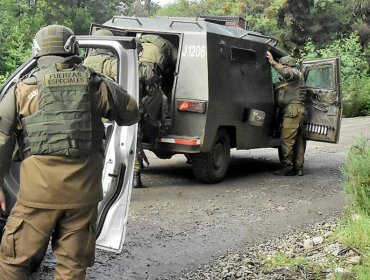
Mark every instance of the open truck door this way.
pixel 324 99
pixel 120 147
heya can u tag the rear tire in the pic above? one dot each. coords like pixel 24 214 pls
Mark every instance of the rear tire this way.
pixel 211 167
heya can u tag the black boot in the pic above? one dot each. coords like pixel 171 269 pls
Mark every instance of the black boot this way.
pixel 287 170
pixel 137 180
pixel 299 172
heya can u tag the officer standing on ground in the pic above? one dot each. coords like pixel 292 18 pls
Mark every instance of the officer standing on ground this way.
pixel 102 60
pixel 290 98
pixel 157 57
pixel 56 113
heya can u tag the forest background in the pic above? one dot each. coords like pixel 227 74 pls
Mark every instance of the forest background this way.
pixel 305 29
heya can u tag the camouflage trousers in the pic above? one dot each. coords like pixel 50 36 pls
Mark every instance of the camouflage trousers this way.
pixel 28 230
pixel 139 159
pixel 293 145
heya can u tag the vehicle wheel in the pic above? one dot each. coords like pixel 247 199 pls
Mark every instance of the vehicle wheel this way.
pixel 211 167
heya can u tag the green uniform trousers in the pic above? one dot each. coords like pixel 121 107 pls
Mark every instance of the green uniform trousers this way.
pixel 28 230
pixel 293 145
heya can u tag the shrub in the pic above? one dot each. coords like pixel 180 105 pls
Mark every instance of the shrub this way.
pixel 357 176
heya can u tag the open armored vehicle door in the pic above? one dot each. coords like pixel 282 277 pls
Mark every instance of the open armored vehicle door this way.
pixel 324 99
pixel 120 146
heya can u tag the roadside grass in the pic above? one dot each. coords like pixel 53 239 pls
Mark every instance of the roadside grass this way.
pixel 283 261
pixel 354 226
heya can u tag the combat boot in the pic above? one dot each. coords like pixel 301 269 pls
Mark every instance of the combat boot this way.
pixel 287 170
pixel 299 172
pixel 137 180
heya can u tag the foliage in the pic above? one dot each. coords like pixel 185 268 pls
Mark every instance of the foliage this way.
pixel 283 261
pixel 141 8
pixel 354 230
pixel 20 20
pixel 357 176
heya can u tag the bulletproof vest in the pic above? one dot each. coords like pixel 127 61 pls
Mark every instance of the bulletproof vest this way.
pixel 291 91
pixel 155 50
pixel 64 123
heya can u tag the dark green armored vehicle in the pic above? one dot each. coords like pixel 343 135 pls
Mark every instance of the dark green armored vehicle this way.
pixel 220 92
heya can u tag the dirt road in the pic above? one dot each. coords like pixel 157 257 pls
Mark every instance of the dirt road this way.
pixel 177 224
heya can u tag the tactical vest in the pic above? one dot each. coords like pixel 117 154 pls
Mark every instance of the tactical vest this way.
pixel 291 91
pixel 64 123
pixel 155 50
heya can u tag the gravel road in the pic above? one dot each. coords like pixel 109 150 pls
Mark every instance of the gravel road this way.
pixel 177 225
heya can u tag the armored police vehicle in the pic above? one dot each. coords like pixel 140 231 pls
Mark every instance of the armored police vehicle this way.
pixel 220 92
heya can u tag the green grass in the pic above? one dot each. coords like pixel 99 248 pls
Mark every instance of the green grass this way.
pixel 356 172
pixel 354 228
pixel 284 261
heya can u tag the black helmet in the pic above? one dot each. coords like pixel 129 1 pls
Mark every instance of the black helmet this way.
pixel 54 40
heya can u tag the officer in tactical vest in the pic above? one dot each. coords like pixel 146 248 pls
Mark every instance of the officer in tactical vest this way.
pixel 55 113
pixel 102 60
pixel 157 57
pixel 290 98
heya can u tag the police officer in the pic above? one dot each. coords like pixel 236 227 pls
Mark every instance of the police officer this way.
pixel 157 58
pixel 290 98
pixel 56 113
pixel 102 60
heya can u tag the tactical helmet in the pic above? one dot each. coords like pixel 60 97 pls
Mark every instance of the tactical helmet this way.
pixel 288 60
pixel 54 40
pixel 103 32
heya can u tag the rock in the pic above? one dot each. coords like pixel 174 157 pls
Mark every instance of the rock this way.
pixel 354 260
pixel 343 274
pixel 318 240
pixel 308 244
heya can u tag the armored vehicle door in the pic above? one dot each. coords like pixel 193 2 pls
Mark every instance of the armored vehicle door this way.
pixel 324 99
pixel 120 146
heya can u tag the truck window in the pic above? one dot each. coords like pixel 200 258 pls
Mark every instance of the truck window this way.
pixel 243 55
pixel 320 77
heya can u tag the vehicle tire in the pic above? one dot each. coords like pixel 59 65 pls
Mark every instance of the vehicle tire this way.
pixel 211 167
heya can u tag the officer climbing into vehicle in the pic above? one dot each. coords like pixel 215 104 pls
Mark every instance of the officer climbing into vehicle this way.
pixel 157 57
pixel 102 60
pixel 56 114
pixel 290 97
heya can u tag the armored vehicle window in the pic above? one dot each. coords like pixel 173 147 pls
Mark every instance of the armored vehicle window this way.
pixel 320 77
pixel 244 55
pixel 275 76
